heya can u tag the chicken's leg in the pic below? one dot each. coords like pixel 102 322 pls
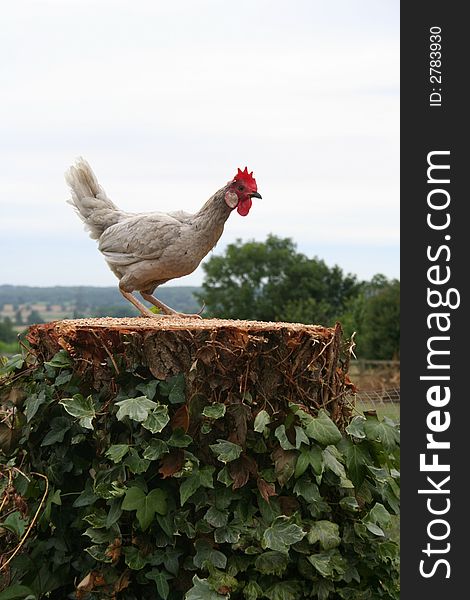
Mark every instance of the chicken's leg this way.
pixel 143 309
pixel 166 309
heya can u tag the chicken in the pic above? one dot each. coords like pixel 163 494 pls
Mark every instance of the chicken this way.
pixel 145 250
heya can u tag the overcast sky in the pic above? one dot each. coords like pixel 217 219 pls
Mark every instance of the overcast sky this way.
pixel 167 99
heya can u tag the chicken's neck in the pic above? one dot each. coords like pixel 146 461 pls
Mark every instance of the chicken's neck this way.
pixel 209 221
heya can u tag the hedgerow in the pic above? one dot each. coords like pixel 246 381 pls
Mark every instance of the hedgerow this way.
pixel 145 493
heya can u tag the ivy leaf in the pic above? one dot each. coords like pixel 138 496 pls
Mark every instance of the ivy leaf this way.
pixel 328 563
pixel 179 439
pixel 356 427
pixel 224 477
pixel 214 411
pixel 331 462
pixel 300 437
pixel 117 452
pixel 136 464
pixel 272 563
pixel 197 479
pixel 375 529
pixel 216 517
pixel 281 435
pixel 97 518
pixel 62 378
pixel 133 558
pixel 201 590
pixel 349 503
pixel 226 451
pixel 325 532
pixel 161 581
pixel 59 427
pixel 149 388
pixel 253 591
pixel 60 360
pixel 357 458
pixel 205 552
pixel 17 592
pixel 98 552
pixel 145 505
pixel 382 431
pixel 320 428
pixel 32 405
pixel 380 515
pixel 100 536
pixel 174 389
pixel 15 523
pixel 189 486
pixel 87 497
pixel 282 534
pixel 311 456
pixel 170 560
pixel 137 409
pixel 156 449
pixel 284 590
pixel 157 419
pixel 229 534
pixel 323 588
pixel 262 420
pixel 310 492
pixel 223 582
pixel 115 511
pixel 81 408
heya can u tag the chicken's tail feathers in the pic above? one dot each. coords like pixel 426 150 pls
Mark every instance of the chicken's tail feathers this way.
pixel 89 199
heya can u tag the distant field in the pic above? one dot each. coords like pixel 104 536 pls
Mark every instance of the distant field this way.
pixel 25 305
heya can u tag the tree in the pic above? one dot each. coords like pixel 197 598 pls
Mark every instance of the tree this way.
pixel 374 314
pixel 272 281
pixel 7 333
pixel 34 318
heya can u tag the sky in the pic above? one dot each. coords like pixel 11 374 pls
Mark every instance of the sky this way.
pixel 167 99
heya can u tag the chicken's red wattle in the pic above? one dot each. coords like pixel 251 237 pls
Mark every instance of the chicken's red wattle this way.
pixel 244 206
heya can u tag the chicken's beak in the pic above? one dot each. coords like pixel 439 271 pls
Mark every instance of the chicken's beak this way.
pixel 255 195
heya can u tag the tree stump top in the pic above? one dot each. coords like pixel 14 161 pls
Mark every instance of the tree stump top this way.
pixel 172 323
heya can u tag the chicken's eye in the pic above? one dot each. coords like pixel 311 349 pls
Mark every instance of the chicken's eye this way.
pixel 241 188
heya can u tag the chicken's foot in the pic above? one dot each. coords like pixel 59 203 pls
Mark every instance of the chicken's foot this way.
pixel 167 309
pixel 141 307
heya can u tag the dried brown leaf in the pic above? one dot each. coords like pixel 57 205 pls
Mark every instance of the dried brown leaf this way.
pixel 241 469
pixel 171 463
pixel 239 414
pixel 288 505
pixel 180 419
pixel 284 464
pixel 113 551
pixel 266 489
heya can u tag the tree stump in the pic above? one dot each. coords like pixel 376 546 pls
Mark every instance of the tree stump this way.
pixel 226 360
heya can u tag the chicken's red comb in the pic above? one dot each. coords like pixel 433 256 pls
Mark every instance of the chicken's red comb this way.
pixel 247 178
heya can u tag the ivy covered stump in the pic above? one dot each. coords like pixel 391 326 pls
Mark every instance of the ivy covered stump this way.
pixel 192 459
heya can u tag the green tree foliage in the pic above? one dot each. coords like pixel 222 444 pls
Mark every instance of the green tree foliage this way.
pixel 375 315
pixel 34 318
pixel 7 333
pixel 272 281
